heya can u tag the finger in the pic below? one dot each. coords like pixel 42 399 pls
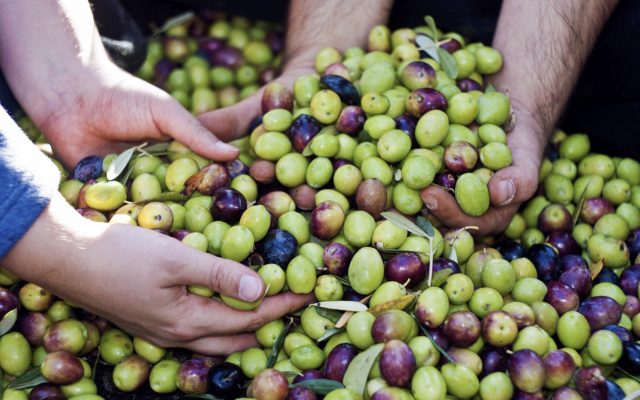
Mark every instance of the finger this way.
pixel 232 122
pixel 221 345
pixel 173 120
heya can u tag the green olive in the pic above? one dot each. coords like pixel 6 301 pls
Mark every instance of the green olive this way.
pixel 237 243
pixel 301 275
pixel 115 346
pixel 272 146
pixel 377 168
pixel 328 288
pixel 432 129
pixel 304 88
pixel 366 270
pixel 472 194
pixel 359 329
pixel 313 324
pixel 319 172
pixel 162 378
pixel 307 357
pixel 394 145
pixel 291 168
pixel 106 196
pixel 197 218
pixel 253 361
pixel 15 354
pixel 378 78
pixel 178 172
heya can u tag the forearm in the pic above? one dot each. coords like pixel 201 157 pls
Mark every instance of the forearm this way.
pixel 544 45
pixel 313 25
pixel 45 46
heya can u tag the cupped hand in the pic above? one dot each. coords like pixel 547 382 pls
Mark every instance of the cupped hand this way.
pixel 508 188
pixel 137 279
pixel 113 110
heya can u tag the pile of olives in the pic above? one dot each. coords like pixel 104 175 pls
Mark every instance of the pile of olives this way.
pixel 325 200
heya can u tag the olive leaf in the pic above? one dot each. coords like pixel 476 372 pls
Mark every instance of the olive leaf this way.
pixel 380 247
pixel 578 210
pixel 490 88
pixel 28 380
pixel 343 280
pixel 277 345
pixel 404 223
pixel 8 321
pixel 94 368
pixel 173 22
pixel 319 386
pixel 396 304
pixel 347 314
pixel 596 268
pixel 118 165
pixel 431 23
pixel 448 63
pixel 453 255
pixel 437 346
pixel 635 378
pixel 342 305
pixel 426 44
pixel 357 374
pixel 425 225
pixel 329 333
pixel 157 147
pixel 438 279
pixel 331 315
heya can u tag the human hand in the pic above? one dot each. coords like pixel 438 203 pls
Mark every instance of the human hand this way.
pixel 137 279
pixel 508 188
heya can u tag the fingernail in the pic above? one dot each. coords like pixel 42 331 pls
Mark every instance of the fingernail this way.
pixel 507 191
pixel 431 203
pixel 224 146
pixel 250 288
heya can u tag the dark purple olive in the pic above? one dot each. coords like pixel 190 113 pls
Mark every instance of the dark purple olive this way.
pixel 338 360
pixel 438 335
pixel 336 258
pixel 462 328
pixel 630 360
pixel 493 360
pixel 418 74
pixel 236 167
pixel 600 311
pixel 88 168
pixel 630 279
pixel 526 370
pixel 511 250
pixel 192 375
pixel 301 393
pixel 161 71
pixel 276 95
pixel 179 234
pixel 210 45
pixel 468 85
pixel 545 259
pixel 33 326
pixel 561 297
pixel 553 218
pixel 228 205
pixel 304 197
pixel 326 220
pixel 339 162
pixel 278 247
pixel 275 40
pixel 407 124
pixel 633 242
pixel 8 301
pixel 566 393
pixel 397 363
pixel 614 391
pixel 570 261
pixel 444 263
pixel 308 375
pixel 591 383
pixel 225 381
pixel 351 120
pixel 46 391
pixel 197 28
pixel 559 367
pixel 607 275
pixel 631 306
pixel 208 180
pixel 302 130
pixel 228 57
pixel 62 368
pixel 451 45
pixel 405 267
pixel 564 243
pixel 445 179
pixel 343 88
pixel 623 333
pixel 578 279
pixel 520 395
pixel 371 197
pixel 420 101
pixel 352 295
pixel 593 209
pixel 393 324
pixel 460 157
pixel 269 384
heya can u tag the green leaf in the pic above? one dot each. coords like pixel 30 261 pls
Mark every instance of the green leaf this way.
pixel 357 374
pixel 382 249
pixel 319 386
pixel 448 63
pixel 436 280
pixel 578 210
pixel 404 223
pixel 157 147
pixel 28 380
pixel 426 44
pixel 277 346
pixel 120 163
pixel 395 304
pixel 453 255
pixel 343 280
pixel 94 368
pixel 437 346
pixel 331 315
pixel 431 23
pixel 425 225
pixel 167 196
pixel 329 333
pixel 8 321
pixel 490 88
pixel 342 305
pixel 174 21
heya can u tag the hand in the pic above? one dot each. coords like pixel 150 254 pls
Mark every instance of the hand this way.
pixel 137 279
pixel 115 109
pixel 508 188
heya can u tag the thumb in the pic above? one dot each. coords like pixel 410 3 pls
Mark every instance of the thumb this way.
pixel 173 120
pixel 224 276
pixel 514 184
pixel 230 123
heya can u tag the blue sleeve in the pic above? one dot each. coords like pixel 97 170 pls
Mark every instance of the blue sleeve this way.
pixel 28 179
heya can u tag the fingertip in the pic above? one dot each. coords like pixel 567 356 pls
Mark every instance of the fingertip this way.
pixel 502 191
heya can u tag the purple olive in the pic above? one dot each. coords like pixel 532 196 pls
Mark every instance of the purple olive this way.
pixel 553 218
pixel 228 205
pixel 192 375
pixel 88 168
pixel 561 297
pixel 8 301
pixel 420 101
pixel 407 124
pixel 590 383
pixel 405 267
pixel 208 180
pixel 336 258
pixel 566 393
pixel 520 395
pixel 278 247
pixel 308 375
pixel 131 373
pixel 438 335
pixel 326 220
pixel 630 360
pixel 630 279
pixel 593 209
pixel 228 57
pixel 61 368
pixel 545 259
pixel 397 363
pixel 210 45
pixel 339 162
pixel 460 157
pixel 451 45
pixel 578 279
pixel 468 85
pixel 564 243
pixel 269 384
pixel 352 295
pixel 276 95
pixel 510 250
pixel 444 263
pixel 633 242
pixel 180 234
pixel 418 74
pixel 526 370
pixel 236 167
pixel 600 311
pixel 570 261
pixel 304 196
pixel 33 326
pixel 161 71
pixel 275 40
pixel 559 367
pixel 462 328
pixel 607 275
pixel 46 391
pixel 493 360
pixel 277 203
pixel 445 179
pixel 338 360
pixel 343 88
pixel 371 197
pixel 302 130
pixel 301 393
pixel 631 306
pixel 351 120
pixel 623 333
pixel 393 324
